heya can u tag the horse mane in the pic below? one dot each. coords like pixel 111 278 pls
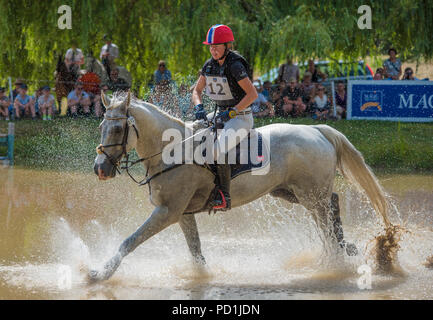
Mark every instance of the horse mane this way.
pixel 120 96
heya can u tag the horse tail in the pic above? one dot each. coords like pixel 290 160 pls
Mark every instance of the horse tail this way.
pixel 352 165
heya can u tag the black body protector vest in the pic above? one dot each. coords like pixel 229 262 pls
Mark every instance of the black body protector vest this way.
pixel 221 84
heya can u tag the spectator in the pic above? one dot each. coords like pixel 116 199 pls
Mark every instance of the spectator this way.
pixel 74 58
pixel 392 66
pixel 341 100
pixel 46 104
pixel 307 90
pixel 316 74
pixel 321 104
pixel 38 93
pixel 277 98
pixel 4 104
pixel 15 91
pixel 261 107
pixel 162 76
pixel 79 99
pixel 379 74
pixel 288 71
pixel 267 90
pixel 408 74
pixel 24 104
pixel 109 52
pixel 292 100
pixel 116 83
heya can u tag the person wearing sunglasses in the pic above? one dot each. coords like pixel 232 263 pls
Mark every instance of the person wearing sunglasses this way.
pixel 79 99
pixel 162 76
pixel 408 74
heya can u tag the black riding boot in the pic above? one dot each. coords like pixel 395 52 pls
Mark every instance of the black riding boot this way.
pixel 222 200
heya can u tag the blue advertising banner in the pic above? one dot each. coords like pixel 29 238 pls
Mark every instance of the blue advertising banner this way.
pixel 410 101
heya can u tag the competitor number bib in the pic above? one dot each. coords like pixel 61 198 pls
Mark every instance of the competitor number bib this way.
pixel 217 88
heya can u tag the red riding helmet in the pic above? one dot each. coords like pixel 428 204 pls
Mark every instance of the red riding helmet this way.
pixel 219 33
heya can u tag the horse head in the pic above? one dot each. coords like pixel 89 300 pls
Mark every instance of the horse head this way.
pixel 116 137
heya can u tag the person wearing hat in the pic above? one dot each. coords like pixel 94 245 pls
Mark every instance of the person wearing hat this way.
pixel 227 78
pixel 46 103
pixel 17 85
pixel 24 104
pixel 392 66
pixel 4 104
pixel 162 75
pixel 74 58
pixel 77 99
pixel 109 52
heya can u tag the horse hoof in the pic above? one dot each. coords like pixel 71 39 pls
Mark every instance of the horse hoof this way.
pixel 93 276
pixel 200 260
pixel 351 250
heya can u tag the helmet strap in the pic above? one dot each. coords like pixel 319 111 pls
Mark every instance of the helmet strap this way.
pixel 226 51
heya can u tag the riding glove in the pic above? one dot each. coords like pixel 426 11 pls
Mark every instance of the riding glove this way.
pixel 227 115
pixel 200 112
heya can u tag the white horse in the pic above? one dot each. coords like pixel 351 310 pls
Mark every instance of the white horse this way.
pixel 295 150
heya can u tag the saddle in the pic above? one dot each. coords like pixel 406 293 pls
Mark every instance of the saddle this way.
pixel 250 155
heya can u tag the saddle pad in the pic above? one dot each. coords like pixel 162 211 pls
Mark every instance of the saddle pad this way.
pixel 253 156
pixel 258 153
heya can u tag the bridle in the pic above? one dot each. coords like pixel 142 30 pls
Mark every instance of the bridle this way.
pixel 116 162
pixel 130 122
pixel 127 164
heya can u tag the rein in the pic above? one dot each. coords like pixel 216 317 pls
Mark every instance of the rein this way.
pixel 129 164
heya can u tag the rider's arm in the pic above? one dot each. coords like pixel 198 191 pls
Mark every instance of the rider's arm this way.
pixel 250 96
pixel 198 89
pixel 239 72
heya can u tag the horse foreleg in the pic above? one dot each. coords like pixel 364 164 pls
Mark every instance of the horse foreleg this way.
pixel 160 219
pixel 189 228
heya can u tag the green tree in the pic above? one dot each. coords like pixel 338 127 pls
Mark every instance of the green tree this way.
pixel 265 31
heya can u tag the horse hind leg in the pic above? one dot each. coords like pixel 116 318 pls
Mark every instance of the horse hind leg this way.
pixel 351 249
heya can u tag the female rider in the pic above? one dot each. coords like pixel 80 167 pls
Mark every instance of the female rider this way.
pixel 227 79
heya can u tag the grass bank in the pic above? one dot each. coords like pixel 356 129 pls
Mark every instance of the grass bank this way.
pixel 66 144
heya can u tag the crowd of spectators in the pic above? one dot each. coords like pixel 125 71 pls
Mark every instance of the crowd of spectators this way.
pixel 298 99
pixel 80 101
pixel 290 96
pixel 391 69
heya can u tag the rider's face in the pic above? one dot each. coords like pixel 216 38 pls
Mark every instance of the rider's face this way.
pixel 217 50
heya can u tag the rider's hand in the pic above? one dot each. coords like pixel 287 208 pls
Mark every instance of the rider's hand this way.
pixel 227 115
pixel 200 112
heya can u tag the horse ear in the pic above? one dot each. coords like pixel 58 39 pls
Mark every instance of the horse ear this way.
pixel 128 99
pixel 105 100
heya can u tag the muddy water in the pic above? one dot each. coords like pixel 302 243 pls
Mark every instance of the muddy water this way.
pixel 55 225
